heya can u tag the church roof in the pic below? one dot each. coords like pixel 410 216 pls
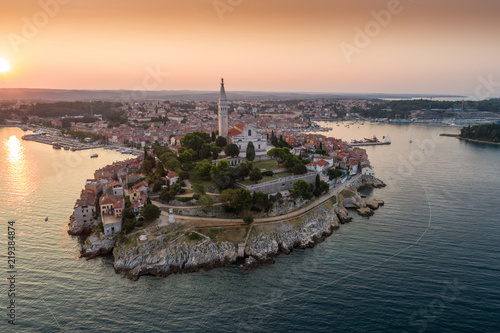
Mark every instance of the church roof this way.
pixel 222 96
pixel 234 132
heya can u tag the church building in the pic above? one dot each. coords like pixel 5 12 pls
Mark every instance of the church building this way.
pixel 240 134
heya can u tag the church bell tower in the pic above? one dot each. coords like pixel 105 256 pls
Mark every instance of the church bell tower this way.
pixel 223 110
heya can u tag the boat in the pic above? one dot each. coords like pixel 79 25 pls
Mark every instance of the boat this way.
pixel 73 149
pixel 24 128
pixel 56 146
pixel 66 148
pixel 410 141
pixel 94 156
pixel 46 219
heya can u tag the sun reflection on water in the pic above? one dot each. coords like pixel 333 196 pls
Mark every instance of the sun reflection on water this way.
pixel 17 166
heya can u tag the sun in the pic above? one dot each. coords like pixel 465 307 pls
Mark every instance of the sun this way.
pixel 4 66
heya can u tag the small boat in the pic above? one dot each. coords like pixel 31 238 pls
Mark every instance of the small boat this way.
pixel 73 149
pixel 56 146
pixel 94 156
pixel 66 148
pixel 410 141
pixel 46 219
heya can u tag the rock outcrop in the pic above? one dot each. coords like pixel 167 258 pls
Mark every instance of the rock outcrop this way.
pixel 267 241
pixel 75 228
pixel 97 244
pixel 162 256
pixel 366 211
pixel 342 214
pixel 350 198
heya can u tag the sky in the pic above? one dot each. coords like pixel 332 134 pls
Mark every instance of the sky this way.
pixel 359 46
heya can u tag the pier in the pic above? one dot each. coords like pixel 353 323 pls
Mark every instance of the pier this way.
pixel 358 144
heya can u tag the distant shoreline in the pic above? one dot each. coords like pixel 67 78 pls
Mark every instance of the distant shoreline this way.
pixel 470 140
pixel 479 141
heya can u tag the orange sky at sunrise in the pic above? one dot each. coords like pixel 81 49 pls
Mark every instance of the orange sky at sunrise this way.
pixel 284 45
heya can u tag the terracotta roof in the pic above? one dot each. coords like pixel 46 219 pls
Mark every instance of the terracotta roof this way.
pixel 107 199
pixel 119 204
pixel 233 132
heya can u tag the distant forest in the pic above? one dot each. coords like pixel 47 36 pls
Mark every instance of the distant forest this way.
pixel 401 108
pixel 71 109
pixel 486 132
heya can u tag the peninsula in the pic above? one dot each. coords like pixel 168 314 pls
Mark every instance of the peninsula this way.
pixel 205 200
pixel 485 133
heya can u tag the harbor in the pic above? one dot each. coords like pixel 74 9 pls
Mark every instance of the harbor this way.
pixel 58 140
pixel 371 142
pixel 61 142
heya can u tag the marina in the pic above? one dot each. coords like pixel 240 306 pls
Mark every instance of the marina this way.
pixel 59 142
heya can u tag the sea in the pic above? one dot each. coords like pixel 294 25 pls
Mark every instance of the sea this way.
pixel 427 261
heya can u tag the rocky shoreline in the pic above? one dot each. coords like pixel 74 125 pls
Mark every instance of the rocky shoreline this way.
pixel 166 251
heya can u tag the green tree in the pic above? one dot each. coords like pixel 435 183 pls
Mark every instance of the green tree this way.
pixel 203 169
pixel 187 156
pixel 243 170
pixel 199 189
pixel 221 141
pixel 147 165
pixel 334 173
pixel 236 200
pixel 160 170
pixel 317 186
pixel 172 163
pixel 302 188
pixel 128 213
pixel 250 153
pixel 206 151
pixel 299 169
pixel 232 150
pixel 222 178
pixel 151 212
pixel 215 152
pixel 206 202
pixel 279 154
pixel 255 175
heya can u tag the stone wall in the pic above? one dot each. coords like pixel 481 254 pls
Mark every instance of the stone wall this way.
pixel 279 185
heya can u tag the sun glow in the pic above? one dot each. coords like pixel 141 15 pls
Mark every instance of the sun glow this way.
pixel 4 66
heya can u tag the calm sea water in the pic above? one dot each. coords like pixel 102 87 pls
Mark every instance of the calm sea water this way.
pixel 427 261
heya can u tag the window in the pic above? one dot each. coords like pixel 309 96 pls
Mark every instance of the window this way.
pixel 249 132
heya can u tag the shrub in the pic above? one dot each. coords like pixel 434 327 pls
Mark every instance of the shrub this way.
pixel 256 209
pixel 248 219
pixel 194 236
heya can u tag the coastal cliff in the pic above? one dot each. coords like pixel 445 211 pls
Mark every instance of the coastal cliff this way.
pixel 168 251
pixel 97 244
pixel 178 248
pixel 77 228
pixel 268 241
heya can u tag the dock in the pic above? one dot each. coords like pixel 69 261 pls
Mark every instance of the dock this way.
pixel 358 144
